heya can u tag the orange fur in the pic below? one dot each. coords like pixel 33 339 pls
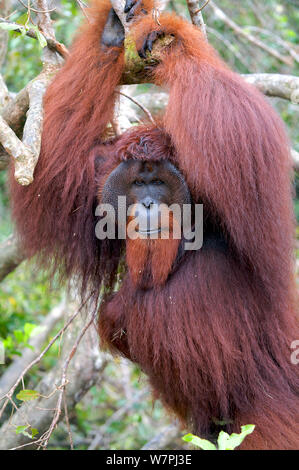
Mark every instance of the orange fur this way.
pixel 215 337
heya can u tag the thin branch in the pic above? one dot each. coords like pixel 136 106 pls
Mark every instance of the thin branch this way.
pixel 241 32
pixel 10 256
pixel 83 8
pixel 83 373
pixel 144 109
pixel 11 391
pixel 51 43
pixel 43 18
pixel 14 115
pixel 64 381
pixel 26 152
pixel 4 10
pixel 15 111
pixel 286 45
pixel 99 438
pixel 196 14
pixel 33 9
pixel 4 94
pixel 66 415
pixel 226 42
pixel 24 169
pixel 14 370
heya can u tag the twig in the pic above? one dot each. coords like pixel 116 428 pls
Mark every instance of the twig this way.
pixel 238 30
pixel 99 437
pixel 83 373
pixel 228 45
pixel 83 7
pixel 14 370
pixel 4 95
pixel 66 415
pixel 278 39
pixel 145 110
pixel 11 391
pixel 4 10
pixel 29 7
pixel 196 15
pixel 51 43
pixel 64 381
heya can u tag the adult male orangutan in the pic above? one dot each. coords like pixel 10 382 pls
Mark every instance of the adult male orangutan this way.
pixel 211 328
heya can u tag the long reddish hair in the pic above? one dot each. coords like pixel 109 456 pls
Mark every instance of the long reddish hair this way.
pixel 214 338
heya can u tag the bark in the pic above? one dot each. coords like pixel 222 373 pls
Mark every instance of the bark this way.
pixel 10 256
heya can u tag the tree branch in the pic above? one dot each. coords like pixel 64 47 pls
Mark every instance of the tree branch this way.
pixel 10 256
pixel 51 43
pixel 196 14
pixel 25 152
pixel 44 412
pixel 239 31
pixel 4 10
pixel 4 95
pixel 271 84
pixel 118 6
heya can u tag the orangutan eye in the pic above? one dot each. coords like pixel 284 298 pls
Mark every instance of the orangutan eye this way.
pixel 157 182
pixel 138 182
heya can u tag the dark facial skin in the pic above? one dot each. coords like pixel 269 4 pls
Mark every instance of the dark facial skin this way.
pixel 147 184
pixel 152 185
pixel 114 33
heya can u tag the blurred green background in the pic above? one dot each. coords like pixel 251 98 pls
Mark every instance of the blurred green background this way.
pixel 26 296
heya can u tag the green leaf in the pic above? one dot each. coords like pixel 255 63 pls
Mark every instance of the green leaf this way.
pixel 8 342
pixel 29 328
pixel 19 335
pixel 21 429
pixel 27 395
pixel 230 442
pixel 223 438
pixel 290 33
pixel 41 38
pixel 34 432
pixel 198 442
pixel 10 27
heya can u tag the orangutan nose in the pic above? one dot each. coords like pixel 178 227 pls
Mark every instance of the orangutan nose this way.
pixel 147 202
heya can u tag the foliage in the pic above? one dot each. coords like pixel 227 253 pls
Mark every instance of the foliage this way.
pixel 224 441
pixel 23 61
pixel 26 295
